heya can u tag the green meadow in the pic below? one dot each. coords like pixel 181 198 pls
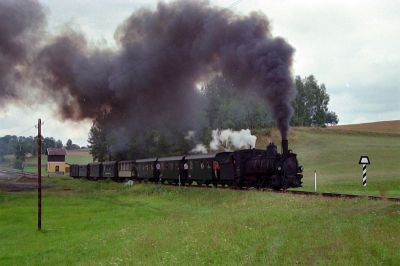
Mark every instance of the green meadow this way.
pixel 335 157
pixel 107 223
pixel 335 154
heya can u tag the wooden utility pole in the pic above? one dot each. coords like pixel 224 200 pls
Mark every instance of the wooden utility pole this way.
pixel 39 139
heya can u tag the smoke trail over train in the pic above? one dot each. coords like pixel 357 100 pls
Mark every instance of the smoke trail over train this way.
pixel 150 78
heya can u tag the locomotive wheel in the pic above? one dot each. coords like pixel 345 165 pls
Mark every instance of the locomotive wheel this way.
pixel 277 188
pixel 259 183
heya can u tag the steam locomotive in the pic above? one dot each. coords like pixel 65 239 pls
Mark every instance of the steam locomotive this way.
pixel 243 168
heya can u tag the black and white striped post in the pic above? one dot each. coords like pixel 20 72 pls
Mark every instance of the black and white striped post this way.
pixel 364 160
pixel 364 176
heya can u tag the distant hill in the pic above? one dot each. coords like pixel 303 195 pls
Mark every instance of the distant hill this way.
pixel 387 127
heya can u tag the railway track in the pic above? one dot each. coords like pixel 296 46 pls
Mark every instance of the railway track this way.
pixel 308 193
pixel 338 195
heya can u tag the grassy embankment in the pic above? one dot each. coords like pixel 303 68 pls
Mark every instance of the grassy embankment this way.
pixel 91 223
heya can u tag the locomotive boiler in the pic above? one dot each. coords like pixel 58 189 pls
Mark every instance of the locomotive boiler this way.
pixel 267 168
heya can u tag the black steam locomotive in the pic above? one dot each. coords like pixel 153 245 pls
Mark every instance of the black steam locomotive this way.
pixel 243 168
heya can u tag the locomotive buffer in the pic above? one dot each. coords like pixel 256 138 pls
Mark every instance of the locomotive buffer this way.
pixel 364 160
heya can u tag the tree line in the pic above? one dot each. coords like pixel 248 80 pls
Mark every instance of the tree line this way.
pixel 227 107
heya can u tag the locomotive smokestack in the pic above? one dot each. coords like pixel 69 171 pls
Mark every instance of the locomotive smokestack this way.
pixel 285 146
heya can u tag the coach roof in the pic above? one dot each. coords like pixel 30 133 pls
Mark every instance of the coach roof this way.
pixel 200 156
pixel 171 158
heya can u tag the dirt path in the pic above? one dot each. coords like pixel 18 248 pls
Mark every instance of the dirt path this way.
pixel 14 181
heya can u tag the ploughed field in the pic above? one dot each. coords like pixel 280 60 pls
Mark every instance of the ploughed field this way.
pixel 92 223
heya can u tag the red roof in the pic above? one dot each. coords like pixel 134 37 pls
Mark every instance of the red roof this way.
pixel 56 151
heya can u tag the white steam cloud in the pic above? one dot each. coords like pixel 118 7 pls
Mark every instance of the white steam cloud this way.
pixel 200 148
pixel 228 140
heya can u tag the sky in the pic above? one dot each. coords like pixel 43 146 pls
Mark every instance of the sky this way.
pixel 350 46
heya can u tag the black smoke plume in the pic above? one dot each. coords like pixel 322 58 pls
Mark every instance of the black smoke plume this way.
pixel 150 79
pixel 21 24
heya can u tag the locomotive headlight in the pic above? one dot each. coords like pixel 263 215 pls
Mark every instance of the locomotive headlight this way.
pixel 279 168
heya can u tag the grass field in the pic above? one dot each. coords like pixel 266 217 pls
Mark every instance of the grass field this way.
pixel 335 155
pixel 106 223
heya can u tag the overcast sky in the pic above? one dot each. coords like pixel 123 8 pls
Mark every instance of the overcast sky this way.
pixel 350 46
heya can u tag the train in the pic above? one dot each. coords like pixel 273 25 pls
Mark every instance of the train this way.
pixel 239 169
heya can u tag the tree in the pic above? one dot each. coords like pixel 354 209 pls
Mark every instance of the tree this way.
pixel 69 144
pixel 98 142
pixel 230 106
pixel 331 118
pixel 301 115
pixel 21 148
pixel 75 147
pixel 311 103
pixel 7 144
pixel 59 144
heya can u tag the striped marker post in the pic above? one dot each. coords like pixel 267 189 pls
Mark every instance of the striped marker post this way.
pixel 364 176
pixel 364 160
